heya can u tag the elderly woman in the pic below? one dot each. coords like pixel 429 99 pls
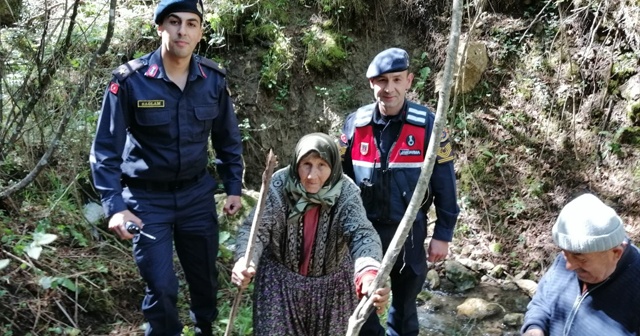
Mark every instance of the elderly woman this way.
pixel 313 235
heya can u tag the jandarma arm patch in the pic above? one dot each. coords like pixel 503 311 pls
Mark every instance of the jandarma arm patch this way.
pixel 150 103
pixel 114 87
pixel 445 151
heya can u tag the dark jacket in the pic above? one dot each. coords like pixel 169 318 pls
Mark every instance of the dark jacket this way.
pixel 609 308
pixel 151 130
pixel 384 157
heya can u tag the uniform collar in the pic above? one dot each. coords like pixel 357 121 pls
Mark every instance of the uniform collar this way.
pixel 379 119
pixel 155 69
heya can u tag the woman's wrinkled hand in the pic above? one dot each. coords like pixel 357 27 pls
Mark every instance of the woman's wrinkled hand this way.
pixel 241 275
pixel 380 295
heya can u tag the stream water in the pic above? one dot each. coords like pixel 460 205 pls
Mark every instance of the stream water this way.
pixel 437 315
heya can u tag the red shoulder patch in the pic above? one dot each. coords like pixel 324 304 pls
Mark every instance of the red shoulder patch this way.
pixel 343 138
pixel 152 71
pixel 202 72
pixel 114 87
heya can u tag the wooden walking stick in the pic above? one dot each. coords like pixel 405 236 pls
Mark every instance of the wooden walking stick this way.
pixel 264 188
pixel 365 307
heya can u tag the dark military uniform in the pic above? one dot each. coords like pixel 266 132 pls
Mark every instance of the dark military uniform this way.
pixel 384 156
pixel 150 156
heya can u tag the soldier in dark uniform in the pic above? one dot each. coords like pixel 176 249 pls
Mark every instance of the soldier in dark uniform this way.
pixel 149 160
pixel 383 147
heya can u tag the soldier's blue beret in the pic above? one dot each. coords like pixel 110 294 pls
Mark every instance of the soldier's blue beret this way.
pixel 166 7
pixel 389 60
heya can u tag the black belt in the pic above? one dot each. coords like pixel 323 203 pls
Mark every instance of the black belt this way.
pixel 152 185
pixel 384 222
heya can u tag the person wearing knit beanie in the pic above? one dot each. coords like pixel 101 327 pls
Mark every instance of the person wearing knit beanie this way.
pixel 587 225
pixel 592 288
pixel 589 230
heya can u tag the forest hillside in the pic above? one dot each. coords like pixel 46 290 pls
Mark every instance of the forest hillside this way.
pixel 546 107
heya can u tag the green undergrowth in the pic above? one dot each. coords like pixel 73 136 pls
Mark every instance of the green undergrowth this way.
pixel 319 36
pixel 60 274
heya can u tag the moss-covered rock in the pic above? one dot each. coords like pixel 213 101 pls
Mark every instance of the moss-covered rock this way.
pixel 624 65
pixel 628 135
pixel 324 48
pixel 633 112
pixel 462 277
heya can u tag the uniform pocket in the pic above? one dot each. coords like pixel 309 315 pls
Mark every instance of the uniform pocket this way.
pixel 206 113
pixel 154 125
pixel 153 117
pixel 201 125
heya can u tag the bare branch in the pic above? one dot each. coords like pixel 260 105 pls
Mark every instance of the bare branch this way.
pixel 45 75
pixel 69 112
pixel 257 218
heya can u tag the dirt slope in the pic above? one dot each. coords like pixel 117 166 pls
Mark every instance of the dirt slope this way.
pixel 536 131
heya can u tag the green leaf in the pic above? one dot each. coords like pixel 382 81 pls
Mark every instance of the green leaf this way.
pixel 68 284
pixel 33 251
pixel 73 332
pixel 55 330
pixel 495 247
pixel 46 282
pixel 44 238
pixel 224 235
pixel 4 263
pixel 224 253
pixel 425 72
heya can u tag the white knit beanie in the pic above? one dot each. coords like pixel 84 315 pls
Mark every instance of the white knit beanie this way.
pixel 587 225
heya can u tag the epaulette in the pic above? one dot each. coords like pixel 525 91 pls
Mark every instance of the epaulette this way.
pixel 417 114
pixel 445 151
pixel 211 64
pixel 125 70
pixel 364 115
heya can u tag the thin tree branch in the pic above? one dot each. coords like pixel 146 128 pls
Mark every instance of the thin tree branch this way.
pixel 50 68
pixel 257 218
pixel 69 112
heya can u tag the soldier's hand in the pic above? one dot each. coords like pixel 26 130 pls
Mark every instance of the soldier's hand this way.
pixel 241 275
pixel 232 205
pixel 438 250
pixel 118 220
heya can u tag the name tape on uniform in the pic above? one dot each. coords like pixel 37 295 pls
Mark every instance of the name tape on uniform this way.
pixel 150 103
